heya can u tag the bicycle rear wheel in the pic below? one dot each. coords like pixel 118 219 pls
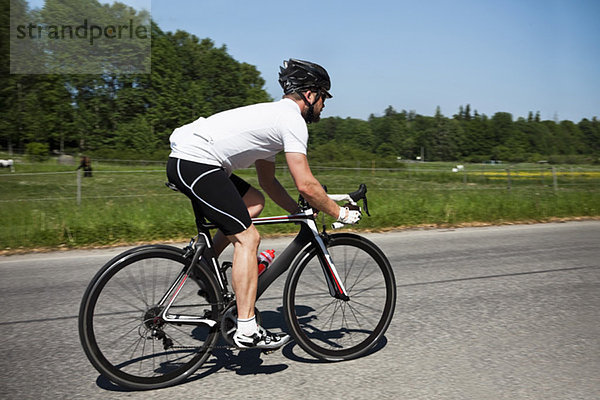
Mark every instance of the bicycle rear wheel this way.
pixel 333 329
pixel 120 324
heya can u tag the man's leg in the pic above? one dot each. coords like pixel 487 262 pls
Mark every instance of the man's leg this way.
pixel 255 202
pixel 244 274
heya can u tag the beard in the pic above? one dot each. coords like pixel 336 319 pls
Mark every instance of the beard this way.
pixel 310 116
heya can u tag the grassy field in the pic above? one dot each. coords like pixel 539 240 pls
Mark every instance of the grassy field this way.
pixel 129 204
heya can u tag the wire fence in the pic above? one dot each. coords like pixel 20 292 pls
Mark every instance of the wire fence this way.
pixel 50 205
pixel 144 180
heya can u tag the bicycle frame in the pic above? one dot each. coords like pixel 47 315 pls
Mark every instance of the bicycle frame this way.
pixel 308 234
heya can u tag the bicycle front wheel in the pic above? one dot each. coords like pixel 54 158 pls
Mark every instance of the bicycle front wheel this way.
pixel 333 329
pixel 121 327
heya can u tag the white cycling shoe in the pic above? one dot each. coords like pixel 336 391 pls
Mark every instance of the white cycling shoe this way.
pixel 262 339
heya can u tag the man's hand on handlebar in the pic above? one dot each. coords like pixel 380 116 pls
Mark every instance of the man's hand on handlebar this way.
pixel 349 214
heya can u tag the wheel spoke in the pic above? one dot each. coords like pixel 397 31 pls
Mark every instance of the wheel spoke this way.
pixel 330 328
pixel 126 337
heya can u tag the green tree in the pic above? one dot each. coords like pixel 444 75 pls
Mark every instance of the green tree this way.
pixel 355 132
pixel 37 151
pixel 502 127
pixel 323 132
pixel 538 136
pixel 572 138
pixel 590 131
pixel 389 133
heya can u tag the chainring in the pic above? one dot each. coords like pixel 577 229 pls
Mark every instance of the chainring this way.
pixel 229 323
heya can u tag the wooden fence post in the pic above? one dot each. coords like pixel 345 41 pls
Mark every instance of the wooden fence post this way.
pixel 79 187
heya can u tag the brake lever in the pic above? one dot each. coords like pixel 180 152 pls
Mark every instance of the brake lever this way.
pixel 361 193
pixel 365 206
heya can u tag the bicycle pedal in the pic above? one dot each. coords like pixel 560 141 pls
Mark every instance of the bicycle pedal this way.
pixel 269 351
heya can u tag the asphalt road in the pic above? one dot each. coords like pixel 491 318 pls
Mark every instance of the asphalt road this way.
pixel 509 312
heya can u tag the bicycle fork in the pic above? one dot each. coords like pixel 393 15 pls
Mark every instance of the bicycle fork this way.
pixel 334 282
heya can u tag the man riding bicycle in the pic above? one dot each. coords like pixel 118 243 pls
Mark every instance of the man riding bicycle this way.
pixel 207 151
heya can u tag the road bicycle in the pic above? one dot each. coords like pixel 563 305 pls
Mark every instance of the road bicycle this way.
pixel 152 315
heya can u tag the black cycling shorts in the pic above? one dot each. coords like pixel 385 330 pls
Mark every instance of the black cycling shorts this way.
pixel 214 195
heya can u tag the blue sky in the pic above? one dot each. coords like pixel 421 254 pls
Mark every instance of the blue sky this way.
pixel 513 56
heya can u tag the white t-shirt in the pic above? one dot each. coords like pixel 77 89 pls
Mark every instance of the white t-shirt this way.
pixel 237 138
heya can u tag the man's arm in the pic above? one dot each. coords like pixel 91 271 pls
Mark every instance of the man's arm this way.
pixel 308 186
pixel 267 180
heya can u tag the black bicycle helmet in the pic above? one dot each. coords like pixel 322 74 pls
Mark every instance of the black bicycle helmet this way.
pixel 298 75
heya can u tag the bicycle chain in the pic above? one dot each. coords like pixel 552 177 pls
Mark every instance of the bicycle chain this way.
pixel 225 305
pixel 211 348
pixel 265 351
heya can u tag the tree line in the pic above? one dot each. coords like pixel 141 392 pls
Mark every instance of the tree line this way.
pixel 466 136
pixel 119 115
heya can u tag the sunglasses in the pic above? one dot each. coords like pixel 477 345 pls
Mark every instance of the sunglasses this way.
pixel 324 94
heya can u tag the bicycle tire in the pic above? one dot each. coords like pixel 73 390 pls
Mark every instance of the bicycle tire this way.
pixel 117 325
pixel 332 329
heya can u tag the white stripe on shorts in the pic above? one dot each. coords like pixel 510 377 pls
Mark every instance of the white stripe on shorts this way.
pixel 198 197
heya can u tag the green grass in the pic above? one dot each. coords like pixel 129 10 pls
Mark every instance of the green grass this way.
pixel 128 204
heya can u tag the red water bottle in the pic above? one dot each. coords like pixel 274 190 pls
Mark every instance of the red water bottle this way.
pixel 264 259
